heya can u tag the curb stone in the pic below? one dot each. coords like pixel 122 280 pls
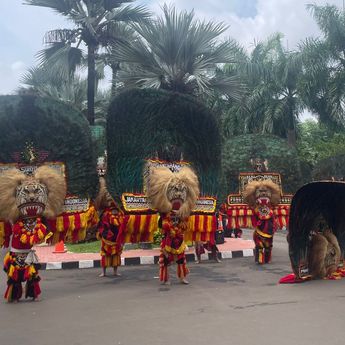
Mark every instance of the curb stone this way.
pixel 141 260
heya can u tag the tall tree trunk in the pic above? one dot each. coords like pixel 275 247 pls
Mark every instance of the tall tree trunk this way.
pixel 115 68
pixel 291 130
pixel 291 137
pixel 91 83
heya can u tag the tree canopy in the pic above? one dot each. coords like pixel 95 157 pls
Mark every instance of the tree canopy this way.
pixel 178 52
pixel 98 23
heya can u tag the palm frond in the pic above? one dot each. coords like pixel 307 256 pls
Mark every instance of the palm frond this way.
pixel 128 14
pixel 60 59
pixel 177 52
pixel 112 4
pixel 64 7
pixel 61 36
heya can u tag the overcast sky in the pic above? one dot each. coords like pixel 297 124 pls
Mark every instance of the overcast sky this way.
pixel 22 27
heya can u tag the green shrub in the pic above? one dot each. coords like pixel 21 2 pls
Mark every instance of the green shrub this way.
pixel 53 127
pixel 157 237
pixel 282 159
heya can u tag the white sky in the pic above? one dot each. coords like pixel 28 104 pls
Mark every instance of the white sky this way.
pixel 22 27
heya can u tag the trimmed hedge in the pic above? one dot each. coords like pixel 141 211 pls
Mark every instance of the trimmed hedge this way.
pixel 282 159
pixel 144 122
pixel 54 127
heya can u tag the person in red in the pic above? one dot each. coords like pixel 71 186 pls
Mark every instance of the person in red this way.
pixel 174 195
pixel 173 247
pixel 21 263
pixel 200 248
pixel 24 199
pixel 262 197
pixel 110 230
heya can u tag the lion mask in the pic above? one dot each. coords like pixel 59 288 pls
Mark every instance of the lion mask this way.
pixel 324 254
pixel 259 193
pixel 30 196
pixel 169 191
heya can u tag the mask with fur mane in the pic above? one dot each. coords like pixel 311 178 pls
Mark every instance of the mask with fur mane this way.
pixel 261 193
pixel 23 196
pixel 324 254
pixel 176 192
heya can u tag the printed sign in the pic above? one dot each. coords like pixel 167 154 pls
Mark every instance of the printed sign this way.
pixel 140 203
pixel 135 202
pixel 205 205
pixel 73 204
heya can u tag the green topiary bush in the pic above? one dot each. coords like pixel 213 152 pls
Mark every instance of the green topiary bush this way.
pixel 144 123
pixel 282 159
pixel 54 127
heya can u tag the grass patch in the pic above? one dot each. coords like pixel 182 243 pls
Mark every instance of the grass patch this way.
pixel 88 247
pixel 95 247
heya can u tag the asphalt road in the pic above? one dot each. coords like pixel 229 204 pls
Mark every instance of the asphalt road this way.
pixel 234 302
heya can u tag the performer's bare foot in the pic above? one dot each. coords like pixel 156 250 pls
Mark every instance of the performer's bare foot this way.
pixel 116 274
pixel 103 274
pixel 184 281
pixel 197 261
pixel 168 282
pixel 217 259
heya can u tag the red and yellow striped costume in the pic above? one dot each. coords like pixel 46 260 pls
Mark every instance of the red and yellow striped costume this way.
pixel 172 247
pixel 111 233
pixel 21 264
pixel 265 227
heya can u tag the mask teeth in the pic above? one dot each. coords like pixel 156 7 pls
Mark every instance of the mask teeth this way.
pixel 33 210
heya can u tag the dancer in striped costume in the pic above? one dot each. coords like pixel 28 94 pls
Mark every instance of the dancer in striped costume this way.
pixel 174 195
pixel 110 230
pixel 262 196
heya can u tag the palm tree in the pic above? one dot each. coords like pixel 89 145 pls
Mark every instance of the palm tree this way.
pixel 323 82
pixel 96 23
pixel 39 80
pixel 179 53
pixel 127 34
pixel 272 104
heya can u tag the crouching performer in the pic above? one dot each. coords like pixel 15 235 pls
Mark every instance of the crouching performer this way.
pixel 110 230
pixel 262 197
pixel 24 199
pixel 174 195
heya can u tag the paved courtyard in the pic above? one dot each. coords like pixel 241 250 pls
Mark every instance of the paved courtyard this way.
pixel 234 302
